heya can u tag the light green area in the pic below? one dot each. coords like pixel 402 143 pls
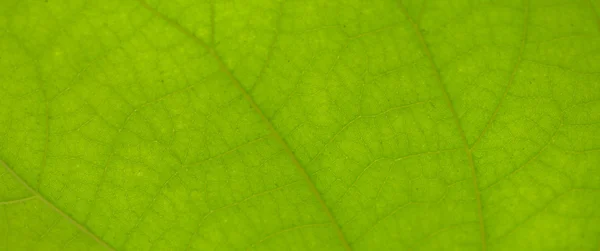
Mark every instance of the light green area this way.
pixel 299 125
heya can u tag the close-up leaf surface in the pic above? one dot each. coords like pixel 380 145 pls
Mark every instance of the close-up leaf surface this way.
pixel 299 125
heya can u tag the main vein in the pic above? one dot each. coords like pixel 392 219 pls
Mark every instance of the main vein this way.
pixel 446 95
pixel 55 208
pixel 259 111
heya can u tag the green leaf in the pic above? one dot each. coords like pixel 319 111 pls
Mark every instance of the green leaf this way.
pixel 299 125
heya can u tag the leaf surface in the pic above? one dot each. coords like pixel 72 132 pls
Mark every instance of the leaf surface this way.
pixel 300 125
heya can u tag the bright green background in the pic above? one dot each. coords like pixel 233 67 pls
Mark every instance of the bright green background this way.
pixel 300 125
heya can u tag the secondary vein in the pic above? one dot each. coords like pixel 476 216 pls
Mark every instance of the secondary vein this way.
pixel 595 15
pixel 55 208
pixel 512 76
pixel 259 111
pixel 446 95
pixel 17 200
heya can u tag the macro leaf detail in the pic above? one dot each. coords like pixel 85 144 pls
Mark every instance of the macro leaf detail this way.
pixel 300 125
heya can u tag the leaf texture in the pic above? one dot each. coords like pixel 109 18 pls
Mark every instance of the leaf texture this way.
pixel 300 125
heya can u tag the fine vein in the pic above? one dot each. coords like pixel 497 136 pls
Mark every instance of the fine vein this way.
pixel 259 111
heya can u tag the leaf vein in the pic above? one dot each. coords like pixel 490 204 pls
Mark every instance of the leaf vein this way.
pixel 258 110
pixel 512 77
pixel 595 13
pixel 446 95
pixel 8 202
pixel 81 227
